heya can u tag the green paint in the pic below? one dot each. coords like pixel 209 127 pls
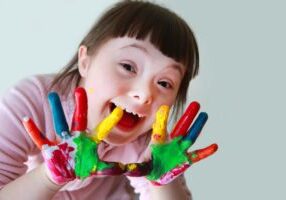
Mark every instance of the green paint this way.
pixel 86 157
pixel 194 155
pixel 166 157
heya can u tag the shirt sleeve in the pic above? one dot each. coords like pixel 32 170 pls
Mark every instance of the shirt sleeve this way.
pixel 24 99
pixel 141 186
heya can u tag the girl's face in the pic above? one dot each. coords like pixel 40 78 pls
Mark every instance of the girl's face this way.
pixel 131 74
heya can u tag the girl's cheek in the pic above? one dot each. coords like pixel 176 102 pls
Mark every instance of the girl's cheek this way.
pixel 165 100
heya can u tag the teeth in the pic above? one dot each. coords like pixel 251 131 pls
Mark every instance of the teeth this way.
pixel 132 112
pixel 129 111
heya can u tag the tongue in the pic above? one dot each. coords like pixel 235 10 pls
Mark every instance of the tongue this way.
pixel 128 120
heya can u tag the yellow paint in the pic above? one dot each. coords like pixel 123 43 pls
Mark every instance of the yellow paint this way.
pixel 105 126
pixel 93 169
pixel 160 124
pixel 91 90
pixel 131 167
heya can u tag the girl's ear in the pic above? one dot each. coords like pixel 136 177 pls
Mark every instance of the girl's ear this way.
pixel 83 61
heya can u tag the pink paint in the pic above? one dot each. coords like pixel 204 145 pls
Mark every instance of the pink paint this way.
pixel 171 175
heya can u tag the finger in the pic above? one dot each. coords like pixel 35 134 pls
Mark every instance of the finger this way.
pixel 60 123
pixel 200 154
pixel 79 121
pixel 159 126
pixel 38 138
pixel 196 128
pixel 185 121
pixel 103 128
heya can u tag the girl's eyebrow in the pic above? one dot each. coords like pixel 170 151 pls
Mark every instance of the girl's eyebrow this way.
pixel 178 68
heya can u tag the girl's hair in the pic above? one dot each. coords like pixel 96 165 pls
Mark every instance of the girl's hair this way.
pixel 168 32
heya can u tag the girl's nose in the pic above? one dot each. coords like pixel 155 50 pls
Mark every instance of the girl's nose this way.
pixel 141 95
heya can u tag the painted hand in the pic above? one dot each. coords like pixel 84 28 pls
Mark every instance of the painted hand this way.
pixel 76 154
pixel 171 159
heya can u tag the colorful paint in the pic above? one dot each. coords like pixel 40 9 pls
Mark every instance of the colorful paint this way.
pixel 87 161
pixel 76 155
pixel 36 135
pixel 186 120
pixel 166 157
pixel 79 120
pixel 59 119
pixel 58 159
pixel 171 159
pixel 138 169
pixel 104 127
pixel 160 124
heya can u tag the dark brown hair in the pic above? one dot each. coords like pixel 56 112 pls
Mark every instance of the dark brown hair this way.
pixel 139 19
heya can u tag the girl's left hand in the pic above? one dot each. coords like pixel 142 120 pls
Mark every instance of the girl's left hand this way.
pixel 171 159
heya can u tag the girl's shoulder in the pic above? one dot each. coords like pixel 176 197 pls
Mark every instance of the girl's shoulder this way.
pixel 35 85
pixel 38 83
pixel 28 97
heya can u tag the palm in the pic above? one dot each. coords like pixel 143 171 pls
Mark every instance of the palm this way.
pixel 170 159
pixel 76 154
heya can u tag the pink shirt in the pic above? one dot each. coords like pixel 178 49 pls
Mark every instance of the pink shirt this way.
pixel 18 153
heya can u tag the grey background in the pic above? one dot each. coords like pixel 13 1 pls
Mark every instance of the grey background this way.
pixel 241 81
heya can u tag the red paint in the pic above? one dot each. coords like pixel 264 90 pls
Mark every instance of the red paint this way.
pixel 156 183
pixel 59 162
pixel 203 153
pixel 79 121
pixel 38 138
pixel 171 175
pixel 179 170
pixel 186 120
pixel 157 137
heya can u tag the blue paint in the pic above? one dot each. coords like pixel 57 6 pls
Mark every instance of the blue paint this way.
pixel 60 124
pixel 196 128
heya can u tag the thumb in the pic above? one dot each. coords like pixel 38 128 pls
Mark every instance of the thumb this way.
pixel 160 125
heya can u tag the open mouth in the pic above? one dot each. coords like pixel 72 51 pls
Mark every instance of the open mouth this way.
pixel 128 121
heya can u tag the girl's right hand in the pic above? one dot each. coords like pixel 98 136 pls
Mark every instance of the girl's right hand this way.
pixel 76 155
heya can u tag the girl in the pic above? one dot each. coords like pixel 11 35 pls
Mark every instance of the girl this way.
pixel 138 56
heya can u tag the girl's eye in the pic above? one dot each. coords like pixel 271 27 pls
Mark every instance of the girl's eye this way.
pixel 165 84
pixel 128 67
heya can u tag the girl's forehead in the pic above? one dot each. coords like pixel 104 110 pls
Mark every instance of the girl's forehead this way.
pixel 128 44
